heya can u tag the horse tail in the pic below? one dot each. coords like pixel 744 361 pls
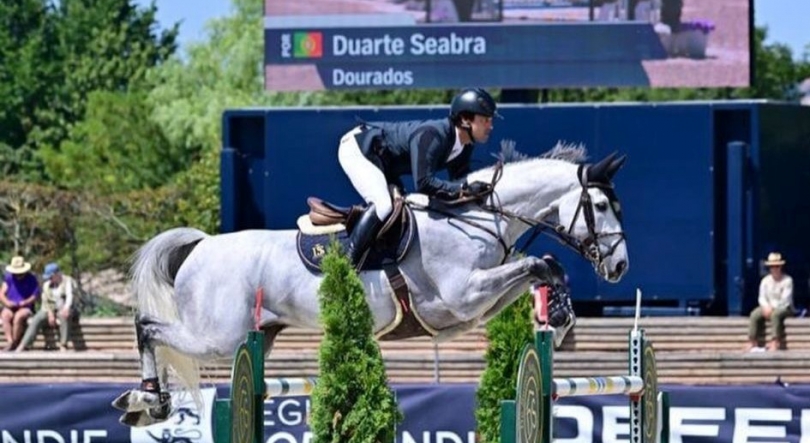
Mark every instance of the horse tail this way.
pixel 152 275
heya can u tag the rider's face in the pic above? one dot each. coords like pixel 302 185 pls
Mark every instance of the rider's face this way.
pixel 481 127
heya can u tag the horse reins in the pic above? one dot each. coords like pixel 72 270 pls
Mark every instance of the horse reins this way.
pixel 496 176
pixel 588 248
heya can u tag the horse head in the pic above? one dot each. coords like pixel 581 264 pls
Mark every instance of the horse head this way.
pixel 590 219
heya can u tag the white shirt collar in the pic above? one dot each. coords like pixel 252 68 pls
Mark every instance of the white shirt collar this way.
pixel 457 146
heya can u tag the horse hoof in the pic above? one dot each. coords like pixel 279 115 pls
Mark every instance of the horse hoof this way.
pixel 138 419
pixel 161 413
pixel 122 402
pixel 134 401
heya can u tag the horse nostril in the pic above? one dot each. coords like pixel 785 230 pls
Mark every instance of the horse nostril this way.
pixel 620 267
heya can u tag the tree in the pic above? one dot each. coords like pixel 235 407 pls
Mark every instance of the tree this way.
pixel 776 72
pixel 115 148
pixel 35 221
pixel 507 334
pixel 102 45
pixel 28 76
pixel 352 401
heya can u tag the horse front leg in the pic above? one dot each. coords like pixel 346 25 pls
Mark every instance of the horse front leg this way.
pixel 490 290
pixel 148 404
pixel 533 269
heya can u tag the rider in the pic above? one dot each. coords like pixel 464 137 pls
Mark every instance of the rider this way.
pixel 376 154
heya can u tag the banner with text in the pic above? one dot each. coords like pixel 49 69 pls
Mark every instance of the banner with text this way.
pixel 386 44
pixel 81 413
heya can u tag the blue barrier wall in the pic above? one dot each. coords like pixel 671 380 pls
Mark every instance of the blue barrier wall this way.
pixel 708 188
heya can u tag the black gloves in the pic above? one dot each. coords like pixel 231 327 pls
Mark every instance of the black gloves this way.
pixel 477 188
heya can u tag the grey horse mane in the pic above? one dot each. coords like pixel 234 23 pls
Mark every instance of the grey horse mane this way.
pixel 567 152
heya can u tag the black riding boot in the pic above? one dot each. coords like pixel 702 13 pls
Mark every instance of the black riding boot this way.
pixel 363 234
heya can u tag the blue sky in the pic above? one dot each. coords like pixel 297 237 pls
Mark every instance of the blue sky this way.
pixel 788 21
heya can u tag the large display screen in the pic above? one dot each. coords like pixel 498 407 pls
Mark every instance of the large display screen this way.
pixel 394 44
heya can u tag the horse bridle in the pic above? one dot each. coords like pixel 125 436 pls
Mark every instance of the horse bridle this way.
pixel 587 248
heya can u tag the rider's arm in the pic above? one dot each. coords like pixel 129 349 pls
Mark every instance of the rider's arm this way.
pixel 427 158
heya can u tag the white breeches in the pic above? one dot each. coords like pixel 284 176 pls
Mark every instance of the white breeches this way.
pixel 366 178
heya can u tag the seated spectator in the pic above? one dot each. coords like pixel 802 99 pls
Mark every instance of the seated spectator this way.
pixel 18 293
pixel 56 308
pixel 775 304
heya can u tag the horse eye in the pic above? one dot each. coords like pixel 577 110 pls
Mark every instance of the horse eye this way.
pixel 601 206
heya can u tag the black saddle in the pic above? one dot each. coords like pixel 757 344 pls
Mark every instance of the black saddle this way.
pixel 327 221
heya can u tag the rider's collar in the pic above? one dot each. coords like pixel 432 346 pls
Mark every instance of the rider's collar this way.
pixel 457 146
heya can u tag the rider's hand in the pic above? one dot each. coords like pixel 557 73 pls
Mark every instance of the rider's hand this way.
pixel 478 188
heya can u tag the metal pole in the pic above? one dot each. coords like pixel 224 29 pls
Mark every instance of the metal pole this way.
pixel 436 376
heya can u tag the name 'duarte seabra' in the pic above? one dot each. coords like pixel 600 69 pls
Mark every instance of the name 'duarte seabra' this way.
pixel 418 44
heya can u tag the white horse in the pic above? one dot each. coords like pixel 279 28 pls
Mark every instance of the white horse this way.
pixel 197 293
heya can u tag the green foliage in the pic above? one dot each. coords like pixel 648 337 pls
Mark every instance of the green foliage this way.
pixel 28 77
pixel 89 231
pixel 352 401
pixel 507 334
pixel 111 228
pixel 116 148
pixel 223 72
pixel 95 306
pixel 776 72
pixel 191 94
pixel 35 221
pixel 53 56
pixel 198 194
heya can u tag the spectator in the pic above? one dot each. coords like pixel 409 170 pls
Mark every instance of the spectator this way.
pixel 18 293
pixel 775 304
pixel 57 302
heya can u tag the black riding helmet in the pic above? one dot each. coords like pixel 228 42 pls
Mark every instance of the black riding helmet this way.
pixel 474 101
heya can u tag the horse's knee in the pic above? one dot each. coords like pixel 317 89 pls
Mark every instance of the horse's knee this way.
pixel 537 267
pixel 145 320
pixel 147 332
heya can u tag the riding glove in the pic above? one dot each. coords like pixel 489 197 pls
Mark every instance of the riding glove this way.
pixel 477 188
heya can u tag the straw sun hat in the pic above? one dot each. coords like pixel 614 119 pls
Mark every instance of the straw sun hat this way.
pixel 18 266
pixel 775 259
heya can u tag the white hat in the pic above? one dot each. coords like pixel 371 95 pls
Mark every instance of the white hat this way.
pixel 774 259
pixel 18 266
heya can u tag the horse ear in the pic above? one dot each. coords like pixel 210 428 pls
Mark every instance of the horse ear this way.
pixel 598 173
pixel 615 165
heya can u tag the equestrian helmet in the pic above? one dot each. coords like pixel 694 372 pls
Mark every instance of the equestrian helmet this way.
pixel 474 101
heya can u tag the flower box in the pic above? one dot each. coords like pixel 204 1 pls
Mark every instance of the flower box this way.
pixel 691 39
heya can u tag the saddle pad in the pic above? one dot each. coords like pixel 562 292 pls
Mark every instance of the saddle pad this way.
pixel 312 247
pixel 305 225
